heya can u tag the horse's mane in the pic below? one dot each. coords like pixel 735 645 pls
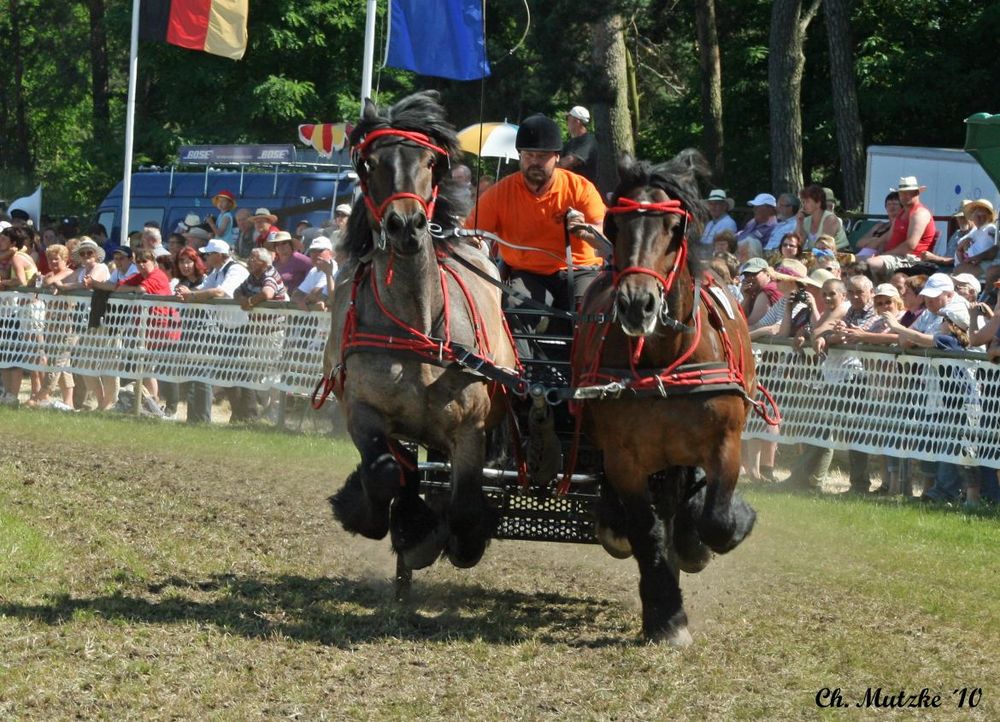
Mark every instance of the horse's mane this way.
pixel 678 178
pixel 421 113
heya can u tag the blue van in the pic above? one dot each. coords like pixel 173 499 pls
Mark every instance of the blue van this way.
pixel 293 190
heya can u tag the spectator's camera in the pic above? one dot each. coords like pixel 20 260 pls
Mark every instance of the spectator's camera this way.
pixel 801 296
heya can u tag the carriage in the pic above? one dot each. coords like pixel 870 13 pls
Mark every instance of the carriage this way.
pixel 626 431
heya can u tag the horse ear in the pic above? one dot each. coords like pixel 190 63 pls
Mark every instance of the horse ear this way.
pixel 370 111
pixel 625 164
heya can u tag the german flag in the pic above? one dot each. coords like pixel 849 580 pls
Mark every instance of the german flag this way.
pixel 218 27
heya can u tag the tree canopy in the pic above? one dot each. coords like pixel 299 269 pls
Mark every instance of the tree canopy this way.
pixel 920 67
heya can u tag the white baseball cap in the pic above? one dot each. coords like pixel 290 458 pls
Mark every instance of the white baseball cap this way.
pixel 763 199
pixel 321 243
pixel 342 209
pixel 580 113
pixel 969 280
pixel 937 284
pixel 216 245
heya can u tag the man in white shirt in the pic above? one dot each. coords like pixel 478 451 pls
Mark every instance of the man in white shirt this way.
pixel 224 277
pixel 719 205
pixel 122 267
pixel 787 208
pixel 318 283
pixel 764 221
pixel 939 295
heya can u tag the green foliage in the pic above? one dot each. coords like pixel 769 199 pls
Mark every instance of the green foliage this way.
pixel 921 68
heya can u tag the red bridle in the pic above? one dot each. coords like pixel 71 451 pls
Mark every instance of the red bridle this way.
pixel 361 153
pixel 670 206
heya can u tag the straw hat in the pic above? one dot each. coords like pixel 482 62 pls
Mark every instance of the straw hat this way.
pixel 791 270
pixel 971 207
pixel 89 245
pixel 263 214
pixel 886 289
pixel 909 183
pixel 821 275
pixel 961 208
pixel 279 237
pixel 720 195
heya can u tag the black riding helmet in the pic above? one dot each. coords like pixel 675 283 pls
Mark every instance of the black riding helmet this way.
pixel 537 132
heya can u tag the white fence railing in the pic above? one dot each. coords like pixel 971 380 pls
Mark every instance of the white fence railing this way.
pixel 219 343
pixel 923 405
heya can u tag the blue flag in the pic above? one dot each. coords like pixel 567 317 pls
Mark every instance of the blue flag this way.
pixel 443 38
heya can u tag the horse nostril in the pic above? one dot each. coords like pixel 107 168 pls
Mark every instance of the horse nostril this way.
pixel 622 304
pixel 419 222
pixel 650 305
pixel 394 223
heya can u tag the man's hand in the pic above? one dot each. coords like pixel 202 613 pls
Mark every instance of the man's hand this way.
pixel 891 321
pixel 583 231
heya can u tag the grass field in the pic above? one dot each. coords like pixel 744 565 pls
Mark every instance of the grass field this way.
pixel 165 572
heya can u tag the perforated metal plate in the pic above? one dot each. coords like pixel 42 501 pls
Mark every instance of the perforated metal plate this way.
pixel 533 517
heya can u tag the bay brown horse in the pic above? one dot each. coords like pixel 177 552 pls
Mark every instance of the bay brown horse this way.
pixel 667 377
pixel 404 312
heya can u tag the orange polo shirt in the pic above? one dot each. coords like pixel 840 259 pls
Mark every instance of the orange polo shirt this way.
pixel 513 212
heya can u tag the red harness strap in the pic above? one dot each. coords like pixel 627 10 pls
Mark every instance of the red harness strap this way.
pixel 361 152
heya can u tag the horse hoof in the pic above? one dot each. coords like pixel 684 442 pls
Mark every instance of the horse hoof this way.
pixel 466 555
pixel 418 534
pixel 676 636
pixel 679 638
pixel 617 546
pixel 354 512
pixel 693 565
pixel 425 552
pixel 471 530
pixel 692 555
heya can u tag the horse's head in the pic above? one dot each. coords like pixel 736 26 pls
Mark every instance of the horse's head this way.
pixel 652 212
pixel 401 158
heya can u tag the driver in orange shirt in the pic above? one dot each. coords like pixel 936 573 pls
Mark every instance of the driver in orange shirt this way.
pixel 529 209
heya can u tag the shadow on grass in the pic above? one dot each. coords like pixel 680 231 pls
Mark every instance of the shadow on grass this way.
pixel 343 612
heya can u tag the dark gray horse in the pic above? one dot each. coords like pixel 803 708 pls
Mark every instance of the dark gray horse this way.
pixel 402 311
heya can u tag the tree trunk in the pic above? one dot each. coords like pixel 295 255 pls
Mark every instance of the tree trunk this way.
pixel 711 86
pixel 612 121
pixel 785 65
pixel 850 140
pixel 99 69
pixel 21 157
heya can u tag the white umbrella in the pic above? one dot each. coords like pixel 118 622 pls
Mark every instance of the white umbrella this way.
pixel 489 140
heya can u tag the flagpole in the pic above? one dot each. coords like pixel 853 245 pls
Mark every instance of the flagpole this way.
pixel 133 73
pixel 369 59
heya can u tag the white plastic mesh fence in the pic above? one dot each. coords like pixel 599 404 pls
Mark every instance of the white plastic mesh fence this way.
pixel 924 406
pixel 219 343
pixel 918 405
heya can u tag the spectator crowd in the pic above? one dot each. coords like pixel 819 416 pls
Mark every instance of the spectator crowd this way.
pixel 901 284
pixel 239 255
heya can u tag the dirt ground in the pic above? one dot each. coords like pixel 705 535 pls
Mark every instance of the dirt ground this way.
pixel 214 584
